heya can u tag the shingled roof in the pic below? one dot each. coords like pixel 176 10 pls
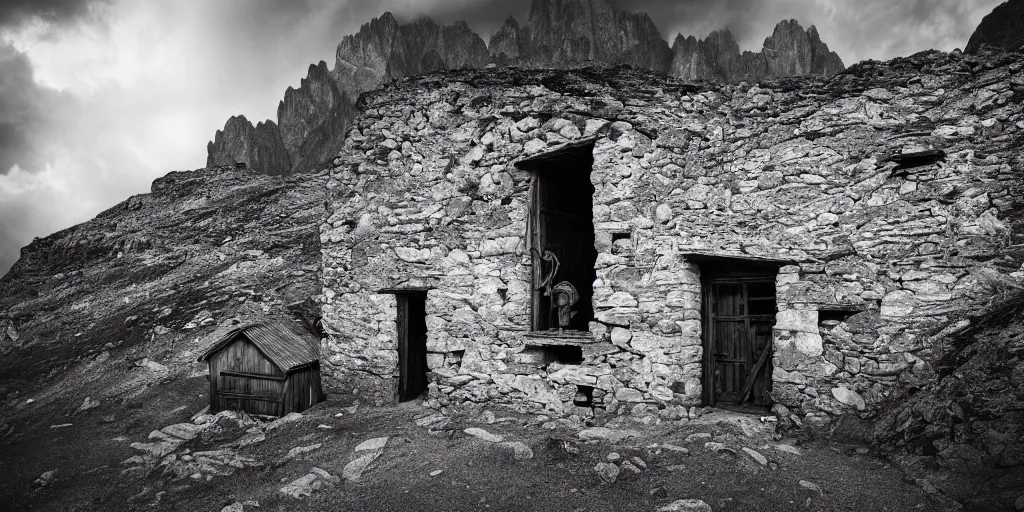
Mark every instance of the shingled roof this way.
pixel 286 349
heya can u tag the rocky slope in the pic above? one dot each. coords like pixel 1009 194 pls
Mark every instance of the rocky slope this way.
pixel 112 306
pixel 557 34
pixel 1002 28
pixel 971 416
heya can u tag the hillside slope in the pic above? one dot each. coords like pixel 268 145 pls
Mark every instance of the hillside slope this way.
pixel 110 306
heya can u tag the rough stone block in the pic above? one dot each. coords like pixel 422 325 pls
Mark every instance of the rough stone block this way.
pixel 799 320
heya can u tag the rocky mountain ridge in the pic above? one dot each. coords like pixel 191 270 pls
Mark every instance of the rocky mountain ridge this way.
pixel 557 34
pixel 1002 28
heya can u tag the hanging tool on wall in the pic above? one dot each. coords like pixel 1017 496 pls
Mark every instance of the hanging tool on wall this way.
pixel 549 260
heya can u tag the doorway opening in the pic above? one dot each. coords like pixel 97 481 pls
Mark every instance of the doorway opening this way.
pixel 561 235
pixel 739 306
pixel 411 323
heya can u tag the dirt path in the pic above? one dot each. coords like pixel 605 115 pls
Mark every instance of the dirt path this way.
pixel 441 467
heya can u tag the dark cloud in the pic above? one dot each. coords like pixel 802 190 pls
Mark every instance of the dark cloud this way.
pixel 26 110
pixel 699 17
pixel 485 16
pixel 13 12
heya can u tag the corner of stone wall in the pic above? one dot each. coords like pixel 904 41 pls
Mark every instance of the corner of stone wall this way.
pixel 800 373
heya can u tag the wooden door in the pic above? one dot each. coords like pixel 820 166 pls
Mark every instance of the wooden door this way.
pixel 412 345
pixel 739 316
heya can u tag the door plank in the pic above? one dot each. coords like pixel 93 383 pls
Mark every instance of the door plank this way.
pixel 752 377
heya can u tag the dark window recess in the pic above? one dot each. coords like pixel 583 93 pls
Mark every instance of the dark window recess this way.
pixel 836 315
pixel 918 159
pixel 455 356
pixel 584 396
pixel 561 232
pixel 547 354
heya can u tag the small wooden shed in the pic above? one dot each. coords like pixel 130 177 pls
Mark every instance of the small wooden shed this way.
pixel 264 368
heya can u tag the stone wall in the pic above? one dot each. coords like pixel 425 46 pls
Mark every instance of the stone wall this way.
pixel 426 196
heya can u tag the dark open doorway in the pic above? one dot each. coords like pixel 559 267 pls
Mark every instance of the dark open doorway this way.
pixel 561 233
pixel 739 314
pixel 412 344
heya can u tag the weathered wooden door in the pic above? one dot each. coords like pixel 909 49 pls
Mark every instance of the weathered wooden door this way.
pixel 739 315
pixel 412 345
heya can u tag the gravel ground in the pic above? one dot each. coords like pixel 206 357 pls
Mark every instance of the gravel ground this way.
pixel 441 467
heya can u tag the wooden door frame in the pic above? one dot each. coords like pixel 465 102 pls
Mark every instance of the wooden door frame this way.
pixel 708 280
pixel 403 337
pixel 535 235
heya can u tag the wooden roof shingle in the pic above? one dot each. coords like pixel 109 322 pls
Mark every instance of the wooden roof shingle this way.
pixel 283 347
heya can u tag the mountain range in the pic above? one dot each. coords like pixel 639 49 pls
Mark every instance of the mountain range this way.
pixel 312 119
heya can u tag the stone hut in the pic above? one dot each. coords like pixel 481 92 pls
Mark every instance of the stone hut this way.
pixel 800 242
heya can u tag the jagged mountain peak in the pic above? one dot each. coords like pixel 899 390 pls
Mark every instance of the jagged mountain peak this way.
pixel 1002 28
pixel 557 33
pixel 789 50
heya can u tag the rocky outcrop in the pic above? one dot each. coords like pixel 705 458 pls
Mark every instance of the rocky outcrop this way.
pixel 571 33
pixel 312 119
pixel 971 416
pixel 506 44
pixel 260 147
pixel 789 51
pixel 1002 28
pixel 383 50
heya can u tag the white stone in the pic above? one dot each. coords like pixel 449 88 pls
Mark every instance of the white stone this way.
pixel 810 486
pixel 303 486
pixel 898 303
pixel 687 505
pixel 754 454
pixel 828 219
pixel 412 254
pixel 795 377
pixel 799 320
pixel 593 126
pixel 809 344
pixel 353 471
pixel 527 124
pixel 849 397
pixel 620 336
pixel 483 434
pixel 300 450
pixel 663 213
pixel 787 448
pixel 520 451
pixel 184 431
pixel 534 146
pixel 607 472
pixel 596 433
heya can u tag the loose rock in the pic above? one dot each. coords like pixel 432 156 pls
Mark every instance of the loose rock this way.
pixel 687 505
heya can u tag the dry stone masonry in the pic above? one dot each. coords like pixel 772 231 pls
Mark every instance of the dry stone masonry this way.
pixel 875 255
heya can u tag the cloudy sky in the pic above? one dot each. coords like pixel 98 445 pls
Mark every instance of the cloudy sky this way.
pixel 99 97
